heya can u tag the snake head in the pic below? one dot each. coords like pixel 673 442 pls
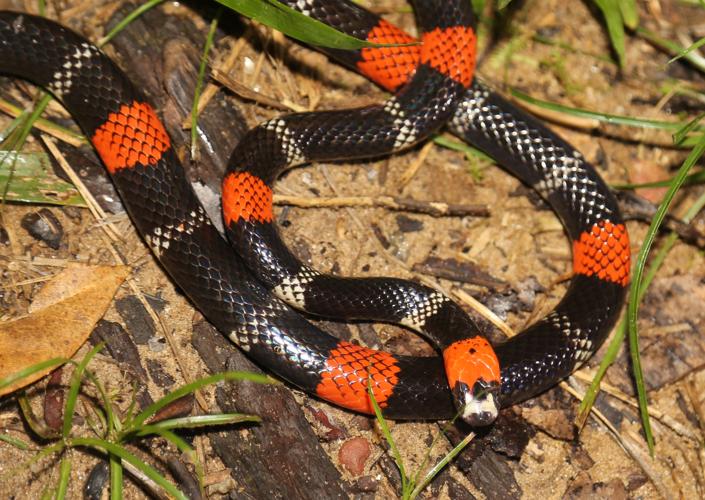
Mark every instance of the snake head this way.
pixel 473 373
pixel 479 405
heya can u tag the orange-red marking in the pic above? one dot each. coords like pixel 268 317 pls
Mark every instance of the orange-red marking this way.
pixel 390 67
pixel 348 371
pixel 451 51
pixel 246 196
pixel 603 251
pixel 132 136
pixel 470 360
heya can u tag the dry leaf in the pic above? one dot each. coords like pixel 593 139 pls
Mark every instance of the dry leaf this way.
pixel 61 317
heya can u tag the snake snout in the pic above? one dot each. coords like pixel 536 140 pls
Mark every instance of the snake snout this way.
pixel 479 405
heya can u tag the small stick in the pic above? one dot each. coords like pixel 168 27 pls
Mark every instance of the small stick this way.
pixel 95 209
pixel 415 165
pixel 484 311
pixel 435 208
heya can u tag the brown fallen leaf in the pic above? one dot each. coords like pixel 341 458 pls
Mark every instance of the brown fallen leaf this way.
pixel 61 318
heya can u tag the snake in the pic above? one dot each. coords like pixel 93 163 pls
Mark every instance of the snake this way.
pixel 433 86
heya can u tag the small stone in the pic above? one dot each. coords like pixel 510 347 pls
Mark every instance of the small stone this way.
pixel 365 484
pixel 353 455
pixel 97 479
pixel 44 226
pixel 408 224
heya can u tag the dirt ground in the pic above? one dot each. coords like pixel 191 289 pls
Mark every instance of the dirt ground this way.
pixel 521 244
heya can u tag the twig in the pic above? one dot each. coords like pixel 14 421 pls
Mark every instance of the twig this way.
pixel 435 208
pixel 95 209
pixel 415 165
pixel 484 311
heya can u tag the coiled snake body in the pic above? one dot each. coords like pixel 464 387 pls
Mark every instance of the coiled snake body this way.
pixel 433 86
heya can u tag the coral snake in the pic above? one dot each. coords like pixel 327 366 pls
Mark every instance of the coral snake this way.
pixel 243 293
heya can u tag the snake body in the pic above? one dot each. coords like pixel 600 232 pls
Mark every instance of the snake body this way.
pixel 554 346
pixel 137 152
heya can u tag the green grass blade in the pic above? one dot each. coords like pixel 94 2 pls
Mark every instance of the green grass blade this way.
pixel 180 444
pixel 197 421
pixel 630 13
pixel 64 475
pixel 16 442
pixel 193 386
pixel 693 124
pixel 693 57
pixel 294 24
pixel 615 26
pixel 462 147
pixel 14 124
pixel 75 386
pixel 116 472
pixel 72 136
pixel 603 117
pixel 128 19
pixel 30 370
pixel 38 110
pixel 683 53
pixel 593 390
pixel 427 458
pixel 441 464
pixel 199 84
pixel 405 486
pixel 173 438
pixel 111 420
pixel 22 133
pixel 124 454
pixel 98 425
pixel 636 286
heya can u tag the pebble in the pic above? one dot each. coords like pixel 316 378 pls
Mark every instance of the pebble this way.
pixel 353 455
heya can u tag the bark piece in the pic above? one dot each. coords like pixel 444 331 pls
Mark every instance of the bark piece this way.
pixel 136 318
pixel 462 272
